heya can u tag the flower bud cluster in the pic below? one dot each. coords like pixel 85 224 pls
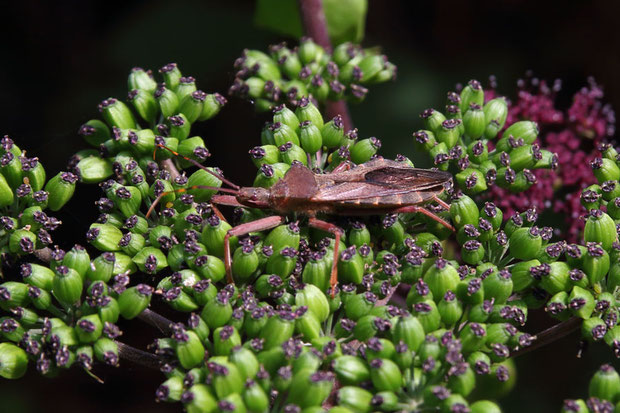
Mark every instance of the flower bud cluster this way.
pixel 26 196
pixel 473 141
pixel 286 75
pixel 603 393
pixel 162 115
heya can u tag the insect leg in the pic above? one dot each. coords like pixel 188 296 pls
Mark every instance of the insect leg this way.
pixel 416 208
pixel 344 166
pixel 258 225
pixel 337 231
pixel 181 190
pixel 442 203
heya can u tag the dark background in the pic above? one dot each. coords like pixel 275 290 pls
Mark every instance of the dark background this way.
pixel 60 59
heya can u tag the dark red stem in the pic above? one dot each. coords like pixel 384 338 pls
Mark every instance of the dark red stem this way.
pixel 315 26
pixel 137 356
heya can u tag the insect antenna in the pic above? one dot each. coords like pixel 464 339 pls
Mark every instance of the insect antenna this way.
pixel 197 164
pixel 181 190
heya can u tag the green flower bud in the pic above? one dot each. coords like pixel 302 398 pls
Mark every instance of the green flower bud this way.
pixel 212 105
pixel 315 300
pixel 104 237
pixel 202 178
pixel 225 339
pixel 106 351
pixel 170 390
pixel 134 300
pixel 226 378
pixel 245 263
pixel 450 309
pixel 60 189
pixel 36 275
pixel 462 380
pixel 286 116
pixel 354 398
pixel 6 193
pixel 350 266
pixel 283 134
pixel 351 370
pixel 474 121
pixel 495 113
pixel 189 348
pixel 199 399
pixel 67 285
pixel 472 252
pixel 217 311
pixel 101 268
pixel 310 137
pixel 470 291
pixel 278 329
pixel 309 388
pixel 593 329
pixel 385 375
pixel 472 93
pixel 116 113
pixel 13 361
pixel 605 170
pixel 525 243
pixel 600 228
pixel 95 132
pixel 360 305
pixel 168 101
pixel 498 286
pixel 254 397
pixel 316 272
pixel 525 129
pixel 266 154
pixel 441 277
pixel 595 262
pixel 11 169
pixel 427 313
pixel 471 181
pixel 150 260
pixel 605 384
pixel 282 263
pixel 144 103
pixel 432 119
pixel 88 328
pixel 307 324
pixel 179 300
pixel 473 337
pixel 554 277
pixel 193 148
pixel 463 210
pixel 449 132
pixel 364 150
pixel 290 153
pixel 307 111
pixel 369 325
pixel 581 302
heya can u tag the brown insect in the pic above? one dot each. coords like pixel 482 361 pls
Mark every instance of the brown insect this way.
pixel 379 186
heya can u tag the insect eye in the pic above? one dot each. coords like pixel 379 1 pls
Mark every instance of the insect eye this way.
pixel 253 197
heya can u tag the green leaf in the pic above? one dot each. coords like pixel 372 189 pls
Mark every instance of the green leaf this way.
pixel 345 18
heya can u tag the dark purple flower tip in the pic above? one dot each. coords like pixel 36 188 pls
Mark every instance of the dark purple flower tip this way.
pixel 472 245
pixel 595 249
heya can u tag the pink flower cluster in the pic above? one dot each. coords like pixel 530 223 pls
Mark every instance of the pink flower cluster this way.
pixel 573 134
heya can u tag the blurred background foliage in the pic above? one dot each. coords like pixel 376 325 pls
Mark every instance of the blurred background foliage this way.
pixel 61 58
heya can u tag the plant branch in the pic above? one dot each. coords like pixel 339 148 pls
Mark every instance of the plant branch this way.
pixel 168 165
pixel 43 254
pixel 156 320
pixel 550 335
pixel 137 356
pixel 315 26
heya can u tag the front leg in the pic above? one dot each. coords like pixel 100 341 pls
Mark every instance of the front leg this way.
pixel 337 231
pixel 262 224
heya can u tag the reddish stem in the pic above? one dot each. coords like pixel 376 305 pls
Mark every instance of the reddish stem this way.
pixel 315 26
